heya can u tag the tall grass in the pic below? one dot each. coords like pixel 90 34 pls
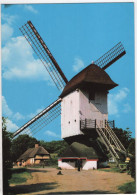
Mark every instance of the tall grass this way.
pixel 19 176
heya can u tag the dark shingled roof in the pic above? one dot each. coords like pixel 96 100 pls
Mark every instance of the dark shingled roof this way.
pixel 93 75
pixel 80 150
pixel 31 152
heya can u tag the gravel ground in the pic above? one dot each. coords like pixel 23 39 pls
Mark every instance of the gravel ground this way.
pixel 46 181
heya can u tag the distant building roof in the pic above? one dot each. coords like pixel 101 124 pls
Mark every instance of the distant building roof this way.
pixel 93 75
pixel 31 152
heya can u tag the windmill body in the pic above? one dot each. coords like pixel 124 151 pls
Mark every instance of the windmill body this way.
pixel 85 98
pixel 84 112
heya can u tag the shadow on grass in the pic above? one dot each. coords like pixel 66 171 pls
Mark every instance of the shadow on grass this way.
pixel 23 169
pixel 18 170
pixel 19 189
pixel 36 170
pixel 81 192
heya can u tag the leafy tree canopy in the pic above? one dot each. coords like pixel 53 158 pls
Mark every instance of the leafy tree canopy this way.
pixel 54 146
pixel 6 150
pixel 21 144
pixel 131 147
pixel 124 136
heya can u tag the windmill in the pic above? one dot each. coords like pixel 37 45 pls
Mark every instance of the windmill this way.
pixel 83 101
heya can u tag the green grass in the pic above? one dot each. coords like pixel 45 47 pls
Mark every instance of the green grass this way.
pixel 114 169
pixel 128 188
pixel 19 176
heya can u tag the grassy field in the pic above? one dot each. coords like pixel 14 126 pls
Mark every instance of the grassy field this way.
pixel 19 175
pixel 113 169
pixel 128 188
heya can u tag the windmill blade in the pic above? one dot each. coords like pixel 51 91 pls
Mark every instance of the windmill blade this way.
pixel 111 56
pixel 41 119
pixel 42 51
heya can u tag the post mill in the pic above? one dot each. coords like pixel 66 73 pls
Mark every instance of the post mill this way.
pixel 82 105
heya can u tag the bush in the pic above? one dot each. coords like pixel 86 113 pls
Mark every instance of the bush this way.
pixel 132 167
pixel 6 149
pixel 19 176
pixel 52 162
pixel 128 188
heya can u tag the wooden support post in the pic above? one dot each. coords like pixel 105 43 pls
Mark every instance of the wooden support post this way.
pixel 113 124
pixel 85 123
pixel 80 125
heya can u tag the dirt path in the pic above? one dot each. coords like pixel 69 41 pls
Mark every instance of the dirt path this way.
pixel 46 181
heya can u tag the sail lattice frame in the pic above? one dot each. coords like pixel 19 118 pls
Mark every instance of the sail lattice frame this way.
pixel 41 119
pixel 111 56
pixel 43 53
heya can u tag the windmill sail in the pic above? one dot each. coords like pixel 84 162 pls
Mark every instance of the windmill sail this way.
pixel 41 119
pixel 42 51
pixel 111 56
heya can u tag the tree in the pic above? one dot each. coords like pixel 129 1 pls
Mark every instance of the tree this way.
pixel 124 136
pixel 131 147
pixel 55 146
pixel 21 144
pixel 131 150
pixel 6 149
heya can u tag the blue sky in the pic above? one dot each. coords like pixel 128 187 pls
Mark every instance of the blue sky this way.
pixel 76 34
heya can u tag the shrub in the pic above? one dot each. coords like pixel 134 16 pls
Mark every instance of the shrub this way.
pixel 128 188
pixel 6 149
pixel 132 167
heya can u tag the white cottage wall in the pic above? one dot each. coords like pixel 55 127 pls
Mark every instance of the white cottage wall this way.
pixel 91 164
pixel 66 165
pixel 32 161
pixel 70 121
pixel 86 165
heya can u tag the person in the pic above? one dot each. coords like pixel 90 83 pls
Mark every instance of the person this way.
pixel 78 164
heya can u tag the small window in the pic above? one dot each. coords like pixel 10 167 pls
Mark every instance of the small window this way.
pixel 92 94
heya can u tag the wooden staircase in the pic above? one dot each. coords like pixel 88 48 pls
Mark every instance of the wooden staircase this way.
pixel 111 141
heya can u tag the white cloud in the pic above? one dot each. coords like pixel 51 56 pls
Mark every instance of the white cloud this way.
pixel 112 106
pixel 6 111
pixel 9 19
pixel 52 134
pixel 127 108
pixel 18 61
pixel 18 116
pixel 31 9
pixel 115 102
pixel 31 115
pixel 26 131
pixel 5 108
pixel 78 64
pixel 121 94
pixel 6 32
pixel 11 126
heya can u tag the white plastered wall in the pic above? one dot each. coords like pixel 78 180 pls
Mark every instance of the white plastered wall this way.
pixel 70 118
pixel 76 106
pixel 32 161
pixel 95 109
pixel 66 165
pixel 89 165
pixel 86 165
